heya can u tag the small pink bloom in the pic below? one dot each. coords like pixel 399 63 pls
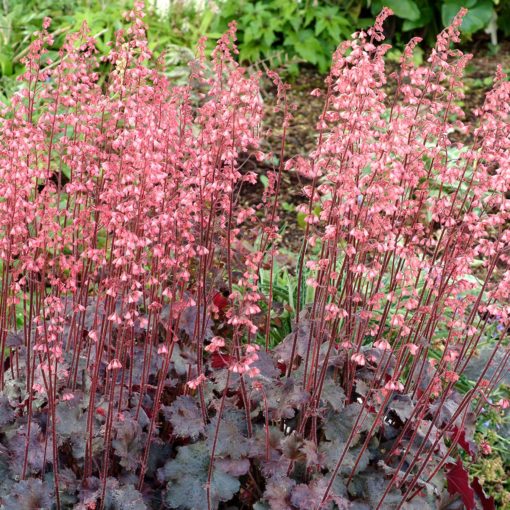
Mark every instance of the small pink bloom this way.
pixel 239 368
pixel 485 448
pixel 253 372
pixel 162 349
pixel 216 344
pixel 413 348
pixel 451 376
pixel 397 320
pixel 504 403
pixel 383 345
pixel 484 383
pixel 358 358
pixel 257 385
pixel 195 383
pixel 114 318
pixel 114 364
pixel 394 386
pixel 38 388
pixel 451 356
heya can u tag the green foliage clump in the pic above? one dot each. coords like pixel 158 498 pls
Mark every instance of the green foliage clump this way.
pixel 309 30
pixel 285 29
pixel 172 33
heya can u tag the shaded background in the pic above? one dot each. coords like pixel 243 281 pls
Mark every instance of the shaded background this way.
pixel 277 33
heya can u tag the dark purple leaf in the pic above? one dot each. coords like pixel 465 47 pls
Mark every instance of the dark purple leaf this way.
pixel 458 483
pixel 30 494
pixel 339 425
pixel 278 493
pixel 402 406
pixel 231 442
pixel 283 351
pixel 487 503
pixel 467 445
pixel 185 416
pixel 284 398
pixel 36 449
pixel 333 394
pixel 6 411
pixel 186 477
pixel 14 339
pixel 128 442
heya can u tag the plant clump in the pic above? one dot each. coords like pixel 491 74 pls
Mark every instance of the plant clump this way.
pixel 135 361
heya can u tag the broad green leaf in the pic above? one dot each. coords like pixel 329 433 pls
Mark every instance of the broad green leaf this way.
pixel 405 9
pixel 478 16
pixel 426 18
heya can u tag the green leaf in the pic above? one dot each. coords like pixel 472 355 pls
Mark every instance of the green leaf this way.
pixel 264 180
pixel 405 9
pixel 320 26
pixel 426 18
pixel 479 14
pixel 305 45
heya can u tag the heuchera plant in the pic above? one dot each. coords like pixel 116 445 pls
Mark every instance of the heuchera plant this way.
pixel 135 370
